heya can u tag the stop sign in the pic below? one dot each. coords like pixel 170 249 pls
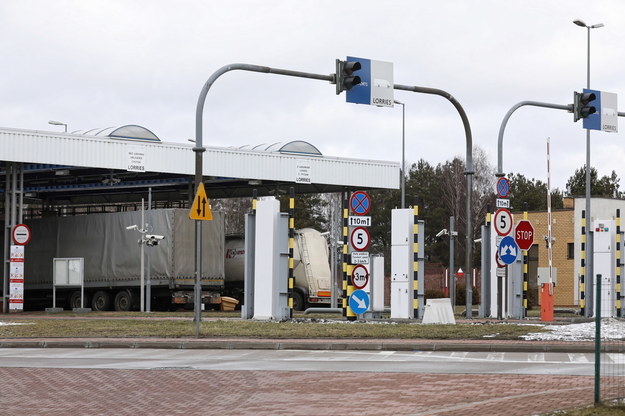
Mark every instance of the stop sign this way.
pixel 524 234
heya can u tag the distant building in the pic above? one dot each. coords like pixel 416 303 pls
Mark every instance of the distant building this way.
pixel 567 231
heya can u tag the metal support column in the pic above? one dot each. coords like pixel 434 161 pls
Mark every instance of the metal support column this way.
pixel 345 254
pixel 415 259
pixel 618 263
pixel 582 278
pixel 291 283
pixel 525 270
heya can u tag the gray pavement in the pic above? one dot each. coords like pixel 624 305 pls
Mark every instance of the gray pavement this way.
pixel 311 344
pixel 170 389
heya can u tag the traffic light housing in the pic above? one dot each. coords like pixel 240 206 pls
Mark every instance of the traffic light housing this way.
pixel 345 78
pixel 582 107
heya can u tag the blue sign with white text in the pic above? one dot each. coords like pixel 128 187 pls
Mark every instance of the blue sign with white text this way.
pixel 593 121
pixel 359 301
pixel 361 93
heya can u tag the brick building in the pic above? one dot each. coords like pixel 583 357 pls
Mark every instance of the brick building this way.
pixel 566 229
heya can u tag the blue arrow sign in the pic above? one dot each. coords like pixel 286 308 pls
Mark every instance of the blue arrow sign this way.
pixel 508 250
pixel 359 301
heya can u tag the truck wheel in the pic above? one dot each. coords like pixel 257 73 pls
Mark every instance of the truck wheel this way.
pixel 298 301
pixel 74 300
pixel 123 301
pixel 101 301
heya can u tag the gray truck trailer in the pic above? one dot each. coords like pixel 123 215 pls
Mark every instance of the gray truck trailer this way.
pixel 111 253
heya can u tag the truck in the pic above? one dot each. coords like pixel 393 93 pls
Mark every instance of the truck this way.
pixel 110 247
pixel 311 268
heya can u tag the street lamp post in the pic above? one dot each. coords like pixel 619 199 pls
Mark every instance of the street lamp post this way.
pixel 589 236
pixel 403 153
pixel 58 123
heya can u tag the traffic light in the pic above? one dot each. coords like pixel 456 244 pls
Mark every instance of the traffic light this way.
pixel 345 79
pixel 581 105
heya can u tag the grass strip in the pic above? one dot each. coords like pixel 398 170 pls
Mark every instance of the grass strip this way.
pixel 111 328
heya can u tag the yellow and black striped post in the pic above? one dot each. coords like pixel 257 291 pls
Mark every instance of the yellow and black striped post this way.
pixel 525 269
pixel 291 244
pixel 618 263
pixel 254 199
pixel 582 282
pixel 415 259
pixel 345 254
pixel 486 289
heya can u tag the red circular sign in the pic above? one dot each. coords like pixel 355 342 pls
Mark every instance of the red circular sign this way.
pixel 360 276
pixel 360 203
pixel 500 263
pixel 360 239
pixel 503 221
pixel 21 234
pixel 524 234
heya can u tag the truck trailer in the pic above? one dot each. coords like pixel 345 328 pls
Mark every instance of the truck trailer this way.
pixel 311 268
pixel 111 249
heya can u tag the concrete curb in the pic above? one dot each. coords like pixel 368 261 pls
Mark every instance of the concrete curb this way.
pixel 337 345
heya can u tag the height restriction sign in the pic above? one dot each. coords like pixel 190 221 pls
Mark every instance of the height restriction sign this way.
pixel 360 276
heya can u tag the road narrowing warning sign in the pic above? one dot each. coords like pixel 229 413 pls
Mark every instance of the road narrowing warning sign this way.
pixel 201 209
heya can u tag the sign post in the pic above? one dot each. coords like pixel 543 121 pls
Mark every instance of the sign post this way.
pixel 358 277
pixel 21 236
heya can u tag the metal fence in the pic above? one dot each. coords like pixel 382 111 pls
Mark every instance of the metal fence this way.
pixel 609 356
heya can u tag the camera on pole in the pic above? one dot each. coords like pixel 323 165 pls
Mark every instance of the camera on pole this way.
pixel 581 105
pixel 345 79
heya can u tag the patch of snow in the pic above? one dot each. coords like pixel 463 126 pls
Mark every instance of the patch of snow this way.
pixel 15 323
pixel 611 329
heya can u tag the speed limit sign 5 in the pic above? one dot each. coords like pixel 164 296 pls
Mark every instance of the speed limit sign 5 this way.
pixel 360 239
pixel 503 221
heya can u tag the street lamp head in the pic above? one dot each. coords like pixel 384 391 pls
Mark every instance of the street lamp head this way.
pixel 58 123
pixel 596 26
pixel 580 23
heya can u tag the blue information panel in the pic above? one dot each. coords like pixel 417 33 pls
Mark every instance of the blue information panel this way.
pixel 361 93
pixel 359 301
pixel 508 250
pixel 593 121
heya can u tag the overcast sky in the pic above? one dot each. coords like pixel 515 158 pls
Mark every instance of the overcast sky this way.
pixel 106 63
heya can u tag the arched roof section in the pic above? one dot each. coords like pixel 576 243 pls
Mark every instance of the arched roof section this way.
pixel 297 147
pixel 129 131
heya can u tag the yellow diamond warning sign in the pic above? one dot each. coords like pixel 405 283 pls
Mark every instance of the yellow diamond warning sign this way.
pixel 201 209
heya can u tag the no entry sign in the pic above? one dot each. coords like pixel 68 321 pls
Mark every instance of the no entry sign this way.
pixel 21 234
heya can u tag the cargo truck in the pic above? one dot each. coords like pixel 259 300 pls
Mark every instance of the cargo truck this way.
pixel 109 246
pixel 311 268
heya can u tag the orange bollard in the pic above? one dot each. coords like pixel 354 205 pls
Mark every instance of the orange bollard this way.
pixel 546 302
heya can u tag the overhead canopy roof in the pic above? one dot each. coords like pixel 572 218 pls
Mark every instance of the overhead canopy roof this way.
pixel 118 164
